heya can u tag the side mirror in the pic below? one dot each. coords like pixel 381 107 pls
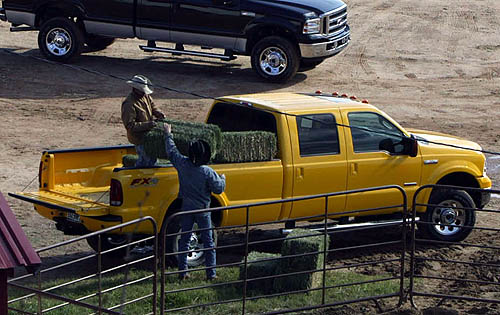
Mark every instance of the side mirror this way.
pixel 387 145
pixel 411 146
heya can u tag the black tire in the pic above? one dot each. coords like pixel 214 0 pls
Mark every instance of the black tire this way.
pixel 109 241
pixel 306 65
pixel 60 39
pixel 446 213
pixel 195 258
pixel 275 59
pixel 97 42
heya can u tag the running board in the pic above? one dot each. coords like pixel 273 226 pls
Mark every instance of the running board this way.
pixel 187 52
pixel 22 29
pixel 338 227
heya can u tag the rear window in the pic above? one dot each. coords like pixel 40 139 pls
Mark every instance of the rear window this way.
pixel 231 117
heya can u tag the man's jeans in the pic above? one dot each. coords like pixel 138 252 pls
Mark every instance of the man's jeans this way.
pixel 204 222
pixel 144 160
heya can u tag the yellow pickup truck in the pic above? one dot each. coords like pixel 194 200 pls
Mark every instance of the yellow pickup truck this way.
pixel 89 189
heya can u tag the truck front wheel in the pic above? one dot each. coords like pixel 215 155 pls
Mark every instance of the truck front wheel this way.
pixel 60 39
pixel 447 220
pixel 275 59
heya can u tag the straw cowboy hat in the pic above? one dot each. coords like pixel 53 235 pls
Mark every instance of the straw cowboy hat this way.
pixel 141 83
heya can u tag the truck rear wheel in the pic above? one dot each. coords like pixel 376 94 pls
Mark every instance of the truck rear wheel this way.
pixel 275 59
pixel 60 39
pixel 450 223
pixel 109 241
pixel 195 257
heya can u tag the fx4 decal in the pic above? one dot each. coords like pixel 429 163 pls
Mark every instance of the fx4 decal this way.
pixel 144 182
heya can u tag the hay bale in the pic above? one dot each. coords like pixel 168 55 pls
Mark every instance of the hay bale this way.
pixel 129 160
pixel 257 269
pixel 296 246
pixel 247 146
pixel 183 133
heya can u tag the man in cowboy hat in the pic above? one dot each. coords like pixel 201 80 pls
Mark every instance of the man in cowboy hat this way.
pixel 138 115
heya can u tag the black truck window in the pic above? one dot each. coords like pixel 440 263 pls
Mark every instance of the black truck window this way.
pixel 374 130
pixel 317 135
pixel 231 117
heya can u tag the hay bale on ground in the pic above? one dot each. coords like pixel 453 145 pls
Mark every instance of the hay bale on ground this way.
pixel 257 269
pixel 311 248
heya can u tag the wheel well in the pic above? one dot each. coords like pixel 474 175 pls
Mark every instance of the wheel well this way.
pixel 58 10
pixel 463 180
pixel 268 30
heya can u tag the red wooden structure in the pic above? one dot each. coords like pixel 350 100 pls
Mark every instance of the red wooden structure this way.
pixel 15 250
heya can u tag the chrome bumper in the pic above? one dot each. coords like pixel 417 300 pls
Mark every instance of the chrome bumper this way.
pixel 325 49
pixel 3 16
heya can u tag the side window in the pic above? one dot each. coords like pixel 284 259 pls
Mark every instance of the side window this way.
pixel 374 133
pixel 317 135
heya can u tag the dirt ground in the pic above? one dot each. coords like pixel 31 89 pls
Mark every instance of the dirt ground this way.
pixel 431 64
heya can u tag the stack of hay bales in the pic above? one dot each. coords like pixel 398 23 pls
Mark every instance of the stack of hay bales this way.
pixel 308 256
pixel 226 147
pixel 310 250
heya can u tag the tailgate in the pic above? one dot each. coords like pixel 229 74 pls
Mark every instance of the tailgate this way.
pixel 87 204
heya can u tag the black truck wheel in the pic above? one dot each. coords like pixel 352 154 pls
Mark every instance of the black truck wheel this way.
pixel 109 241
pixel 60 39
pixel 447 211
pixel 97 42
pixel 196 257
pixel 275 59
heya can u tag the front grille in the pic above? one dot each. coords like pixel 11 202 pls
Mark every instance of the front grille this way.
pixel 335 22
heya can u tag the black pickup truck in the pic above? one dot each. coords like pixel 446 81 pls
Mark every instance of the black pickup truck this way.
pixel 281 36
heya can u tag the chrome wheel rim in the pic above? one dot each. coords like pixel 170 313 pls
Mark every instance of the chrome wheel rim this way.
pixel 58 41
pixel 273 61
pixel 194 248
pixel 448 217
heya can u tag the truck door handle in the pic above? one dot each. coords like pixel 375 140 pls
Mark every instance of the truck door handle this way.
pixel 354 168
pixel 300 173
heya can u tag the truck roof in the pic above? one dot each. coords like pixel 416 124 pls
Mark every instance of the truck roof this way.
pixel 294 102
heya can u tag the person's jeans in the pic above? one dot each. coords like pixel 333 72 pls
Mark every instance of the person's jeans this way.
pixel 204 222
pixel 144 160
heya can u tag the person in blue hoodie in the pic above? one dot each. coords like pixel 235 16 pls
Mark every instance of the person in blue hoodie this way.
pixel 197 182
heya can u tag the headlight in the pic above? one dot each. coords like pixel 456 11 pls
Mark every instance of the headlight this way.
pixel 312 26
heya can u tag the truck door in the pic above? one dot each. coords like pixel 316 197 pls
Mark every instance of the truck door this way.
pixel 154 19
pixel 372 165
pixel 320 164
pixel 112 18
pixel 214 23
